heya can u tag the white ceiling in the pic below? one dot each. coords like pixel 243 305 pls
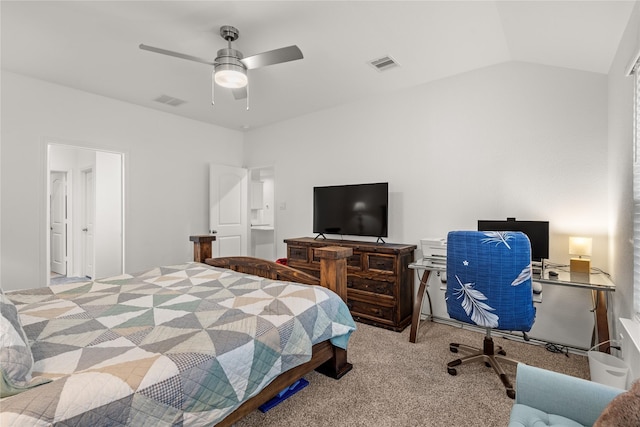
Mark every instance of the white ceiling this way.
pixel 93 46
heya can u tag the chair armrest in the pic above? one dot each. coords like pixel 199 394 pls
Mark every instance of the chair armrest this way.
pixel 564 395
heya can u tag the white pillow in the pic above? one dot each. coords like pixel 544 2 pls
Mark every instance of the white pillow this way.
pixel 16 360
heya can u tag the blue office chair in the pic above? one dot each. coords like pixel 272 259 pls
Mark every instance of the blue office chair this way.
pixel 489 285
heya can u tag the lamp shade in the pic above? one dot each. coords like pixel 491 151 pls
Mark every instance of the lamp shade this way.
pixel 231 76
pixel 229 70
pixel 580 246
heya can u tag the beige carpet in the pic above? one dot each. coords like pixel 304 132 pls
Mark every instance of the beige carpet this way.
pixel 396 383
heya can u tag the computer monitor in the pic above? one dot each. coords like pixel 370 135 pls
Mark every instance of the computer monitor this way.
pixel 537 231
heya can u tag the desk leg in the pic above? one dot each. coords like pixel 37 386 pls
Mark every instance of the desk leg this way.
pixel 601 327
pixel 417 306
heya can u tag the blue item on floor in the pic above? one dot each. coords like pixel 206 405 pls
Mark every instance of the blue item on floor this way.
pixel 284 394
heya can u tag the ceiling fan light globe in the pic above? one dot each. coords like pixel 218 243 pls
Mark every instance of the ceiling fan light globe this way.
pixel 232 79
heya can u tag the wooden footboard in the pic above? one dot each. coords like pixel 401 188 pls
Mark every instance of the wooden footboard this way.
pixel 333 265
pixel 263 268
pixel 326 358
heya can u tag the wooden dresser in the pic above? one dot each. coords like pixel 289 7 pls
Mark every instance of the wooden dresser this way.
pixel 379 281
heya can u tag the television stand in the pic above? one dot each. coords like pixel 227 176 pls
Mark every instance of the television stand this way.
pixel 379 281
pixel 380 239
pixel 320 234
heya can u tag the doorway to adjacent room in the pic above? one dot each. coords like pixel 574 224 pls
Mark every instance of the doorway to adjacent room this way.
pixel 85 213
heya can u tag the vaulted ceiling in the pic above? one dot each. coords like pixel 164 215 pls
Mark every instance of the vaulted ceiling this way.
pixel 93 46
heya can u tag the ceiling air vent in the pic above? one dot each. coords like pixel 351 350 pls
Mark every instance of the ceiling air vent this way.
pixel 169 100
pixel 384 63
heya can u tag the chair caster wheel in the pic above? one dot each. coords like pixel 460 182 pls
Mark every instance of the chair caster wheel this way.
pixel 487 364
pixel 452 371
pixel 502 353
pixel 511 393
pixel 453 349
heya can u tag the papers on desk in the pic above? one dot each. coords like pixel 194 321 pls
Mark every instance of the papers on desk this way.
pixel 434 253
pixel 434 247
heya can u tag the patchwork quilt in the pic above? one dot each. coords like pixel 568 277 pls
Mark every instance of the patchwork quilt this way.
pixel 178 345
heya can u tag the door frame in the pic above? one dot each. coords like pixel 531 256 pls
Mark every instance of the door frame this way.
pixel 47 143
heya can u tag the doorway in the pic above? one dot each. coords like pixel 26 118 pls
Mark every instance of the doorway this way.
pixel 241 211
pixel 85 213
pixel 262 238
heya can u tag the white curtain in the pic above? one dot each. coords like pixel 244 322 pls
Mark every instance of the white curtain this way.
pixel 636 191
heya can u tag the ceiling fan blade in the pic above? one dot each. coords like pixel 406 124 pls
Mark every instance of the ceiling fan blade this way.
pixel 240 93
pixel 176 54
pixel 276 56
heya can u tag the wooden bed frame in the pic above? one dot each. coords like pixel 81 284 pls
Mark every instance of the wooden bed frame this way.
pixel 326 358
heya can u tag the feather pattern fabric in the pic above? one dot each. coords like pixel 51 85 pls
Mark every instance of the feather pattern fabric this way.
pixel 498 237
pixel 524 275
pixel 478 311
pixel 491 274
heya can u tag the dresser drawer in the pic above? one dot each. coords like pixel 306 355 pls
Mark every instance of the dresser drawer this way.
pixel 298 253
pixel 371 310
pixel 380 287
pixel 384 263
pixel 354 261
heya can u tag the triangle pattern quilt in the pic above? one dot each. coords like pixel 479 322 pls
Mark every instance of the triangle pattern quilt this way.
pixel 176 345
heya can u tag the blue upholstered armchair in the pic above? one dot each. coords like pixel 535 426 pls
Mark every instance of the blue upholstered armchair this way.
pixel 489 285
pixel 547 398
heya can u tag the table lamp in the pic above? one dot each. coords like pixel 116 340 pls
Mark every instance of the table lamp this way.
pixel 580 246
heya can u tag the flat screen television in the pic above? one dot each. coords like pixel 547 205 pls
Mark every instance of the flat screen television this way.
pixel 536 231
pixel 357 210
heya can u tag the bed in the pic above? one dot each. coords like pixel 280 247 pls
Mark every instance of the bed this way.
pixel 192 344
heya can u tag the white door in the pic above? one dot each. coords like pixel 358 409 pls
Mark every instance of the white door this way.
pixel 58 222
pixel 228 209
pixel 88 218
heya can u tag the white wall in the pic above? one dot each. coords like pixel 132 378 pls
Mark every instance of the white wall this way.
pixel 166 172
pixel 516 139
pixel 512 140
pixel 620 168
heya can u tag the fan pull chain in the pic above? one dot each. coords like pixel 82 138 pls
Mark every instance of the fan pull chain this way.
pixel 247 96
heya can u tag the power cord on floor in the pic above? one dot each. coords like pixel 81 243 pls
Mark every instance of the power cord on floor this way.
pixel 557 348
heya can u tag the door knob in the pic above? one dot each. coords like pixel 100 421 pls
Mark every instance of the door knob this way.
pixel 85 229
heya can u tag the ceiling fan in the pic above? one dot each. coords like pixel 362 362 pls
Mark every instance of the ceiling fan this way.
pixel 230 66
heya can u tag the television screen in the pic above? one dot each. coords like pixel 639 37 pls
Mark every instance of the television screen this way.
pixel 536 231
pixel 358 210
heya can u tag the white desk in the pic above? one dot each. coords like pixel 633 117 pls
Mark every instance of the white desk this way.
pixel 598 283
